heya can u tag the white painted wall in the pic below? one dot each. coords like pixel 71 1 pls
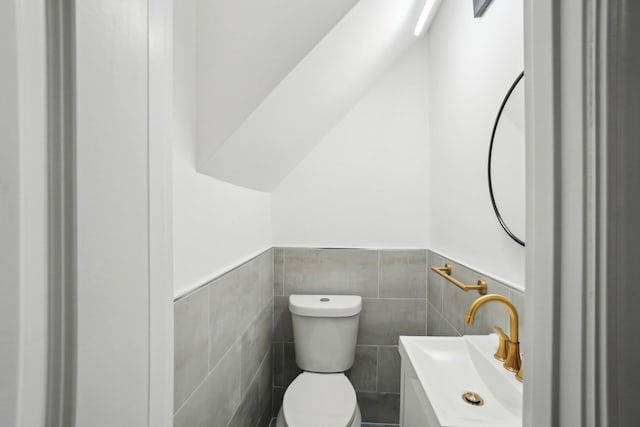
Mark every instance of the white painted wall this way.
pixel 245 48
pixel 472 65
pixel 216 225
pixel 314 96
pixel 366 183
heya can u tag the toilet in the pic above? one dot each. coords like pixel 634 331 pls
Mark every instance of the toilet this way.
pixel 325 328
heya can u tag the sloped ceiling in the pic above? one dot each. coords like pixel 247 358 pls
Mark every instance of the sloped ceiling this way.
pixel 272 81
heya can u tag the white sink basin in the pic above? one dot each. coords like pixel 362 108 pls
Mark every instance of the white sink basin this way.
pixel 447 367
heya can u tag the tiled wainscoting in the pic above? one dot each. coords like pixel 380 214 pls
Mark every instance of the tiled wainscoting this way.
pixel 234 352
pixel 393 286
pixel 223 334
pixel 447 305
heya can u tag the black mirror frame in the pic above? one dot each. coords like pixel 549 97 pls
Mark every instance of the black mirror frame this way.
pixel 493 134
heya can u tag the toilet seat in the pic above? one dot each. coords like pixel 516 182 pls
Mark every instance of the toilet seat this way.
pixel 319 400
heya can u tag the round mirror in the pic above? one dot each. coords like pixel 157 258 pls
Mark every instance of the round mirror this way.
pixel 507 163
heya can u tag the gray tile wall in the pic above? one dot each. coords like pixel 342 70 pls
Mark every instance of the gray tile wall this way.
pixel 447 305
pixel 234 352
pixel 222 360
pixel 393 286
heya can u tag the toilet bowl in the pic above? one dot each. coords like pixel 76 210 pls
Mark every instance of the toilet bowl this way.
pixel 324 334
pixel 319 400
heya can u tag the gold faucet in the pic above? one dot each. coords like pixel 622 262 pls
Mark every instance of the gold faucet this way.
pixel 512 362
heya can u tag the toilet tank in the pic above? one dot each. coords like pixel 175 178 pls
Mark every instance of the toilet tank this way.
pixel 325 329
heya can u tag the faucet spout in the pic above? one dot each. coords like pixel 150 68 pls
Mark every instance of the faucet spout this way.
pixel 513 361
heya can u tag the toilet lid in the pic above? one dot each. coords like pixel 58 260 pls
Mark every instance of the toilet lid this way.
pixel 319 400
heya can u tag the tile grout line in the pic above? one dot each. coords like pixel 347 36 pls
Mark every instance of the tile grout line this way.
pixel 204 379
pixel 273 399
pixel 282 365
pixel 378 274
pixel 208 329
pixel 444 318
pixel 451 325
pixel 426 276
pixel 284 269
pixel 273 318
pixel 441 282
pixel 253 379
pixel 377 365
pixel 426 293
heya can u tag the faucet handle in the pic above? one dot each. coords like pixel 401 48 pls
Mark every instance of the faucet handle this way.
pixel 503 346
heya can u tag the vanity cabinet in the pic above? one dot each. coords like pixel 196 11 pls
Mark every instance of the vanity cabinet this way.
pixel 415 409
